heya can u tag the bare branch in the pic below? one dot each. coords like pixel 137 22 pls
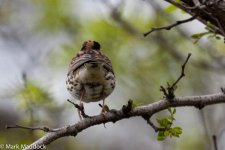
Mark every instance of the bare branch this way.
pixel 169 91
pixel 170 26
pixel 45 129
pixel 116 115
pixel 182 71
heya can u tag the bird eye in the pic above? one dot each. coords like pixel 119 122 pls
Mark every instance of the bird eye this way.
pixel 96 45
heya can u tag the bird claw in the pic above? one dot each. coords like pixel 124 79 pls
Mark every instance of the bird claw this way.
pixel 223 90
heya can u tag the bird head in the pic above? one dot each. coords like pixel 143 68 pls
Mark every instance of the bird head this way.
pixel 88 45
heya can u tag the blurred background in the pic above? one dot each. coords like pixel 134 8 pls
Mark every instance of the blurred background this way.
pixel 38 39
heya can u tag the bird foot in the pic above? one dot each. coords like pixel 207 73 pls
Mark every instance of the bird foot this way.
pixel 223 90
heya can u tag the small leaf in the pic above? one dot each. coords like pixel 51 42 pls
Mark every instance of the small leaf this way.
pixel 199 35
pixel 176 131
pixel 161 136
pixel 171 118
pixel 164 122
pixel 166 133
pixel 209 24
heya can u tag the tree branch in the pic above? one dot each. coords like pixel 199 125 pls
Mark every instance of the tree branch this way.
pixel 182 71
pixel 148 120
pixel 45 129
pixel 210 11
pixel 169 91
pixel 116 115
pixel 171 26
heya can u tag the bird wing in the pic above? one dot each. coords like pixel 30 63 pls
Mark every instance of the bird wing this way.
pixel 95 57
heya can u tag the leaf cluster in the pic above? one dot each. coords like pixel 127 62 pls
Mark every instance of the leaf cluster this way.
pixel 166 125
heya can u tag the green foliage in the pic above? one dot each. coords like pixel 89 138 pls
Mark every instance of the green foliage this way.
pixel 210 32
pixel 56 16
pixel 33 94
pixel 199 35
pixel 166 125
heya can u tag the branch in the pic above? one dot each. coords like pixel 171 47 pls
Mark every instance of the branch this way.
pixel 207 12
pixel 81 108
pixel 147 118
pixel 116 115
pixel 171 26
pixel 169 91
pixel 45 129
pixel 182 71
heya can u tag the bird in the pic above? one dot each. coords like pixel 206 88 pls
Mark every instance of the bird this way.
pixel 90 76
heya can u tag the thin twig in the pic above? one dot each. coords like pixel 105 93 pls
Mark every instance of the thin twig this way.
pixel 45 129
pixel 170 26
pixel 215 142
pixel 182 71
pixel 81 108
pixel 169 91
pixel 147 118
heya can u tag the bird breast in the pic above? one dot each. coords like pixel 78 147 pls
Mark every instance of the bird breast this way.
pixel 91 72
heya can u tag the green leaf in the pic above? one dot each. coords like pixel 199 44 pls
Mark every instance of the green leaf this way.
pixel 171 8
pixel 176 131
pixel 166 133
pixel 199 35
pixel 209 24
pixel 161 136
pixel 171 118
pixel 164 122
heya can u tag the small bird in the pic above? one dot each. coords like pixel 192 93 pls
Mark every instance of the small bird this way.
pixel 90 77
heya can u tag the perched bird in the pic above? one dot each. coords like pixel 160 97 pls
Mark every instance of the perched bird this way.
pixel 90 77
